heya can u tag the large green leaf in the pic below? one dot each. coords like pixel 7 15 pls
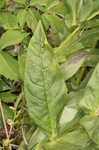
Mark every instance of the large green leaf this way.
pixel 45 90
pixel 75 140
pixel 8 66
pixel 11 37
pixel 90 99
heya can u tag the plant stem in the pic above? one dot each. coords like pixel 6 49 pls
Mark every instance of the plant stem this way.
pixel 4 122
pixel 83 69
pixel 5 127
pixel 66 40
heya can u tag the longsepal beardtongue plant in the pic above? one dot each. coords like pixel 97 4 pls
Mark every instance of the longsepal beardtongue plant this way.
pixel 49 74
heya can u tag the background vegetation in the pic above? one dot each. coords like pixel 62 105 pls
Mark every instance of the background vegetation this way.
pixel 49 74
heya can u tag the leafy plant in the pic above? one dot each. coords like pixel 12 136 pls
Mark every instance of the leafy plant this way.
pixel 49 74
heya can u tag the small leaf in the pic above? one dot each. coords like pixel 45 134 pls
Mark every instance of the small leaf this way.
pixel 72 64
pixel 55 26
pixel 21 17
pixel 91 124
pixel 28 136
pixel 45 90
pixel 90 99
pixel 31 19
pixel 2 3
pixel 3 85
pixel 36 138
pixel 21 2
pixel 8 66
pixel 11 37
pixel 92 58
pixel 7 97
pixel 8 113
pixel 39 4
pixel 8 21
pixel 87 9
pixel 71 113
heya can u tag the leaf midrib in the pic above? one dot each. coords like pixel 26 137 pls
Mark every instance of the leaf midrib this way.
pixel 45 93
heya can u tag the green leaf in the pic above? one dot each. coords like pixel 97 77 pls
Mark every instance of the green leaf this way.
pixel 57 31
pixel 51 4
pixel 91 124
pixel 21 62
pixel 44 5
pixel 34 2
pixel 45 90
pixel 8 113
pixel 72 64
pixel 75 11
pixel 21 2
pixel 77 41
pixel 31 19
pixel 70 141
pixel 11 37
pixel 73 8
pixel 36 138
pixel 8 66
pixel 2 3
pixel 92 58
pixel 79 10
pixel 90 23
pixel 71 113
pixel 7 97
pixel 3 85
pixel 90 99
pixel 38 3
pixel 21 17
pixel 87 10
pixel 28 135
pixel 8 21
pixel 59 9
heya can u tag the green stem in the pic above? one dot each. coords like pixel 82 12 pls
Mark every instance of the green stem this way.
pixel 81 75
pixel 66 40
